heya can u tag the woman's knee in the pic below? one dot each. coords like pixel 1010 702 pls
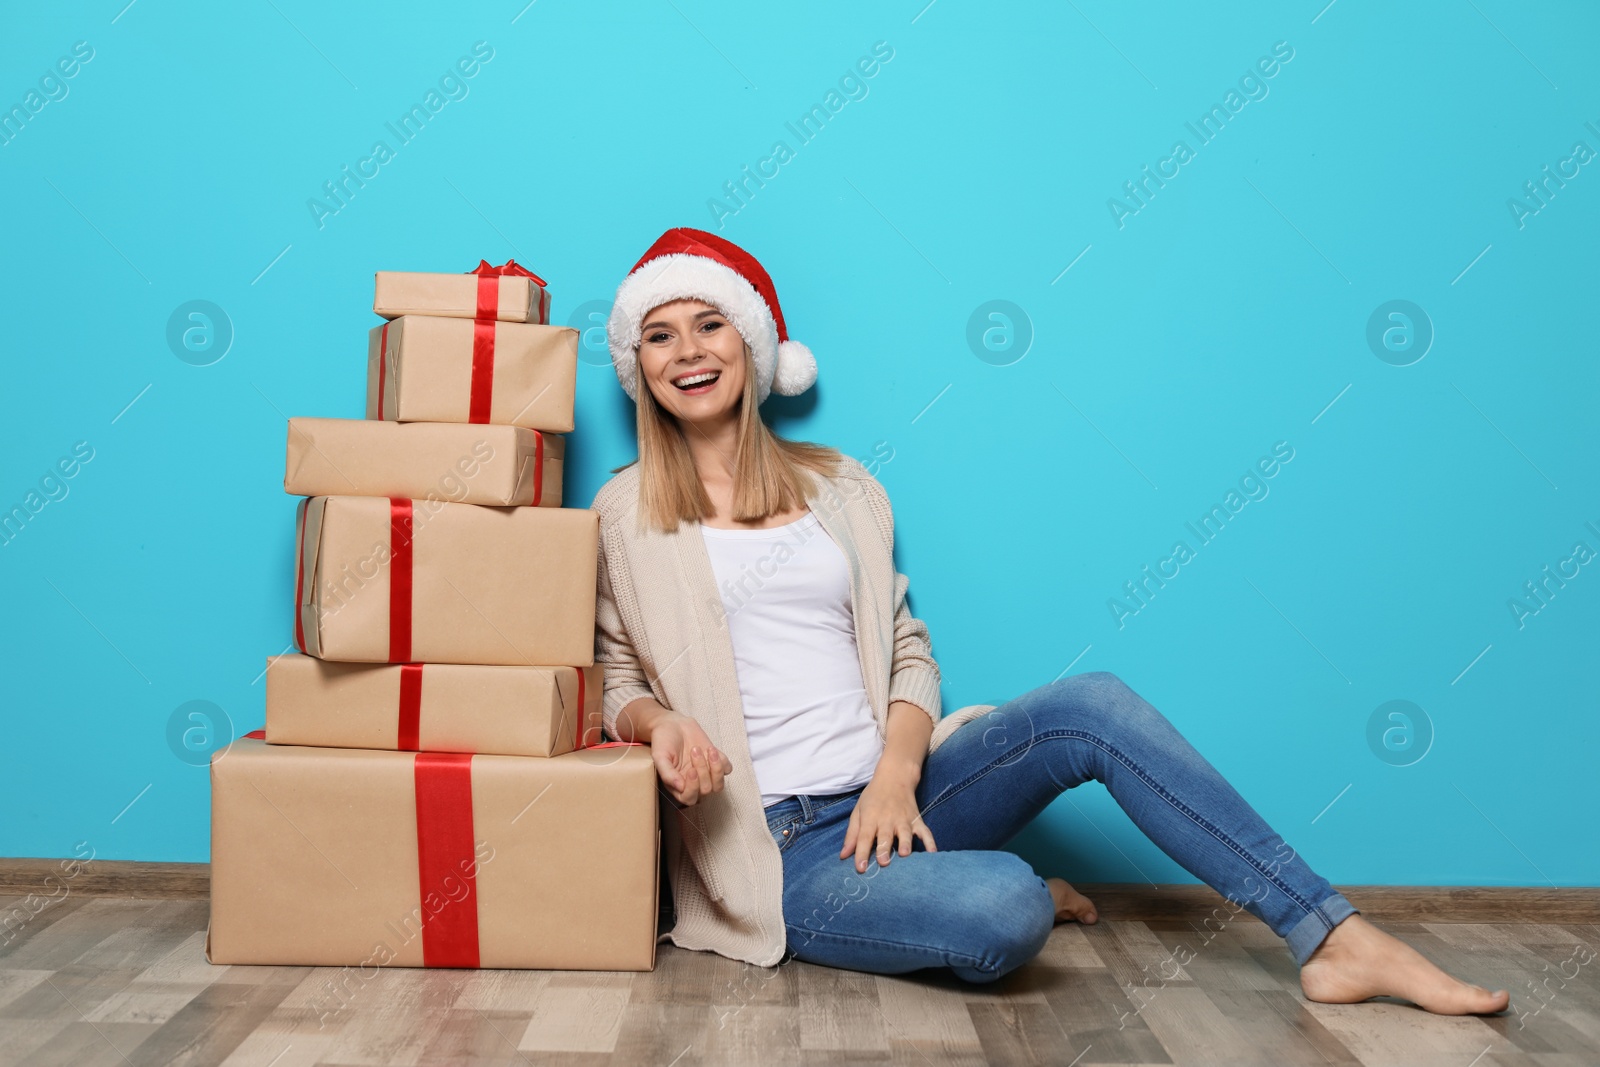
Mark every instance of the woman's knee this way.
pixel 1013 916
pixel 1101 702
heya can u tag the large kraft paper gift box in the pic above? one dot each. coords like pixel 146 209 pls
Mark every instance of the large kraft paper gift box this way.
pixel 425 368
pixel 435 707
pixel 508 292
pixel 331 857
pixel 394 580
pixel 494 465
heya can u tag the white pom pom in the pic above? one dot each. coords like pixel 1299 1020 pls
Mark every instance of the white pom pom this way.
pixel 796 371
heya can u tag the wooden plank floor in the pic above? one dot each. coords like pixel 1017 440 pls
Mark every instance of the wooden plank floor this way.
pixel 108 980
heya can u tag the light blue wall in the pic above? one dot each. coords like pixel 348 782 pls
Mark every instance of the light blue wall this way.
pixel 1227 314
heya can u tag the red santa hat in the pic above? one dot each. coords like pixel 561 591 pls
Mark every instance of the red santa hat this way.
pixel 692 264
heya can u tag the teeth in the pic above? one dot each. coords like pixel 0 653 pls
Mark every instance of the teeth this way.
pixel 693 380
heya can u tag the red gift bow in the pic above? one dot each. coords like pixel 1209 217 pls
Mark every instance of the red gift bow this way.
pixel 483 330
pixel 511 267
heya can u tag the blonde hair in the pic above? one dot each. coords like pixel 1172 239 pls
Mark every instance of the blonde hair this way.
pixel 771 474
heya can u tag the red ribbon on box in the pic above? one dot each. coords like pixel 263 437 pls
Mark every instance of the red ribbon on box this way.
pixel 538 468
pixel 446 850
pixel 299 574
pixel 410 730
pixel 483 330
pixel 400 586
pixel 383 364
pixel 400 530
pixel 582 713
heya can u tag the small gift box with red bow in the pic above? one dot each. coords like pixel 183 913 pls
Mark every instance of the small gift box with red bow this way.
pixel 471 347
pixel 509 293
pixel 435 707
pixel 346 857
pixel 492 465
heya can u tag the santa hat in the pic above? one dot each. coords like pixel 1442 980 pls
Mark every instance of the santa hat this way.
pixel 692 264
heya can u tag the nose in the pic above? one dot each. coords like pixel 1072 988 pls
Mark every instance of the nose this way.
pixel 694 341
pixel 693 349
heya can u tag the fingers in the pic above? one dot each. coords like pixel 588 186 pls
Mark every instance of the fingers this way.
pixel 691 787
pixel 858 841
pixel 685 783
pixel 715 765
pixel 701 769
pixel 667 770
pixel 882 837
pixel 920 828
pixel 877 841
pixel 691 771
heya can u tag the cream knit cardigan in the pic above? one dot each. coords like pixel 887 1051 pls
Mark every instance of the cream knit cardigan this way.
pixel 661 631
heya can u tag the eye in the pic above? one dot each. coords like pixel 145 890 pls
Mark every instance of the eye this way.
pixel 658 337
pixel 712 324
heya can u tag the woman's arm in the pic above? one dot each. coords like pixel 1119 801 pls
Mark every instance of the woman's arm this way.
pixel 624 679
pixel 687 763
pixel 906 745
pixel 886 812
pixel 913 674
pixel 638 719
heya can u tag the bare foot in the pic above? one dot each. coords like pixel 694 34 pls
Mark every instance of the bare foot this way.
pixel 1358 961
pixel 1070 904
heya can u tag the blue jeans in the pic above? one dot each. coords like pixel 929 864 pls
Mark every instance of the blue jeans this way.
pixel 983 912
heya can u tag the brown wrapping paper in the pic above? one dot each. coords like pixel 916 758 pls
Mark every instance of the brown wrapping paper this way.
pixel 420 369
pixel 397 293
pixel 466 464
pixel 315 860
pixel 488 585
pixel 513 711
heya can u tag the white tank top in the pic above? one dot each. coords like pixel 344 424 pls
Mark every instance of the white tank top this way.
pixel 786 594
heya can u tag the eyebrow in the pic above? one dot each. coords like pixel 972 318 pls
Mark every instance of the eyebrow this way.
pixel 668 325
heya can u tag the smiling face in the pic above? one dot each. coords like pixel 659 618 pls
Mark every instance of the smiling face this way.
pixel 693 360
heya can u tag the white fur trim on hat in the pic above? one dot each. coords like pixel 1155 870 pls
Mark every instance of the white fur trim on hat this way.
pixel 680 276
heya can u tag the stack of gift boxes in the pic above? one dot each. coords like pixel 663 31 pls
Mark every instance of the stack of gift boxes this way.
pixel 429 790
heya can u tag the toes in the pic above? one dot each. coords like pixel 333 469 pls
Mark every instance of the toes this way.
pixel 1071 905
pixel 1080 908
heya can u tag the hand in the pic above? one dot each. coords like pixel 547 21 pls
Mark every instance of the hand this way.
pixel 688 764
pixel 886 810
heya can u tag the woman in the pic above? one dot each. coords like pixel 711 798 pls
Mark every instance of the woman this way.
pixel 755 634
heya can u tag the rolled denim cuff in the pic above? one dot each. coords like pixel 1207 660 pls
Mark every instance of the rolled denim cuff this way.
pixel 1318 923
